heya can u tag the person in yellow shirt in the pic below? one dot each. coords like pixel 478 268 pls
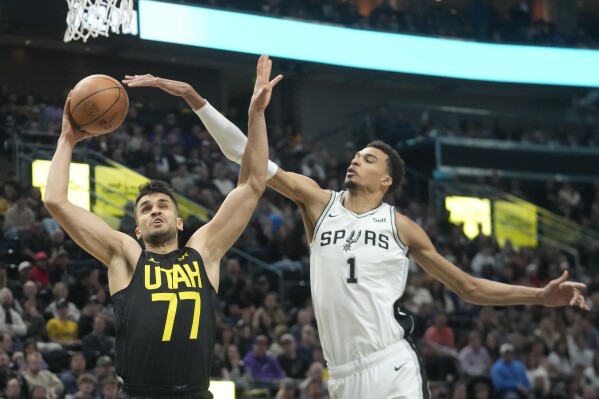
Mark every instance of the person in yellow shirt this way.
pixel 62 330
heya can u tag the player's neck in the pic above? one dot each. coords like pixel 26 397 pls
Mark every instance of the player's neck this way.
pixel 359 202
pixel 162 248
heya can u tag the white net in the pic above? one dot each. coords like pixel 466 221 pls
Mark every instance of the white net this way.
pixel 97 18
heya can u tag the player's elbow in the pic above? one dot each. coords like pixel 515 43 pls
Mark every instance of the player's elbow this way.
pixel 52 204
pixel 469 291
pixel 256 185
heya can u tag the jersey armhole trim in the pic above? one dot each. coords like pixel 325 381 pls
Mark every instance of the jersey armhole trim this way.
pixel 186 248
pixel 403 246
pixel 324 213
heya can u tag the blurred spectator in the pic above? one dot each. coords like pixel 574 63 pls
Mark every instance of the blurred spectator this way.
pixel 35 322
pixel 308 342
pixel 13 389
pixel 51 226
pixel 97 343
pixel 559 358
pixel 110 388
pixel 286 389
pixel 41 392
pixel 40 273
pixel 314 386
pixel 438 350
pixel 61 330
pixel 230 277
pixel 7 197
pixel 86 385
pixel 11 321
pixel 61 293
pixel 76 369
pixel 59 268
pixel 18 217
pixel 35 240
pixel 546 332
pixel 88 315
pixel 234 369
pixel 509 376
pixel 459 390
pixel 36 377
pixel 474 358
pixel 264 369
pixel 24 270
pixel 104 368
pixel 580 354
pixel 294 365
pixel 84 287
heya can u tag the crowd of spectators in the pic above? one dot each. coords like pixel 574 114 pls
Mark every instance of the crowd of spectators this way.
pixel 576 201
pixel 478 20
pixel 409 126
pixel 56 318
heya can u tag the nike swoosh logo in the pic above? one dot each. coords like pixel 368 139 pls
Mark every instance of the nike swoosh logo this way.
pixel 333 216
pixel 398 367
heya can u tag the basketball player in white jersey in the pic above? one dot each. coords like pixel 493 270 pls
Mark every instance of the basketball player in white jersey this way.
pixel 359 264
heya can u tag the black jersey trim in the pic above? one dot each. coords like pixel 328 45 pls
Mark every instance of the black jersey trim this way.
pixel 361 215
pixel 425 391
pixel 203 265
pixel 395 232
pixel 324 213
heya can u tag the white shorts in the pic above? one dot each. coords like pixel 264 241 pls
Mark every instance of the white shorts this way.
pixel 393 373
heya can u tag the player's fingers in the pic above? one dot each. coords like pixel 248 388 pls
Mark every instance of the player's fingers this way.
pixel 276 80
pixel 267 70
pixel 575 286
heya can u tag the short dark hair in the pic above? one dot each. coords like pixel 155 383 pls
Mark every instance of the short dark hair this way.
pixel 395 165
pixel 156 186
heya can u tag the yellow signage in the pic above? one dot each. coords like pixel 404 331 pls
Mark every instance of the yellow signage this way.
pixel 114 187
pixel 473 213
pixel 78 181
pixel 516 222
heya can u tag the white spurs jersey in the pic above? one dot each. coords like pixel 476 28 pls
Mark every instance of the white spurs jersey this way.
pixel 358 270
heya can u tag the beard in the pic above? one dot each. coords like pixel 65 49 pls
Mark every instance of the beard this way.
pixel 350 185
pixel 160 237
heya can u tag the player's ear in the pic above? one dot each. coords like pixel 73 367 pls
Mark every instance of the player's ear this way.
pixel 180 224
pixel 137 233
pixel 387 181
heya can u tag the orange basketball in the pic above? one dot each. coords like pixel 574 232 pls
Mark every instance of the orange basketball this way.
pixel 99 104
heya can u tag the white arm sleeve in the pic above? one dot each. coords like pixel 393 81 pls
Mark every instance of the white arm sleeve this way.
pixel 228 137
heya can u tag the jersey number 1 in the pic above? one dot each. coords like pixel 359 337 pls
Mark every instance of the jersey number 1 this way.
pixel 352 279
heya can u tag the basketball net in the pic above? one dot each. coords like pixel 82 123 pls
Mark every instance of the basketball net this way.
pixel 96 18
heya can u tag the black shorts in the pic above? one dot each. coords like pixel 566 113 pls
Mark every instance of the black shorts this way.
pixel 198 395
pixel 128 392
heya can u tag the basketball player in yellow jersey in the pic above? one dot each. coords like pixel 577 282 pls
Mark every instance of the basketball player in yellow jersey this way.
pixel 358 265
pixel 163 295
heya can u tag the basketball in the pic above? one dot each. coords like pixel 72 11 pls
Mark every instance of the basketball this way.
pixel 99 104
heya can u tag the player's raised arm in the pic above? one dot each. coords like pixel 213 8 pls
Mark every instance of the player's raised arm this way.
pixel 233 142
pixel 86 229
pixel 216 237
pixel 558 292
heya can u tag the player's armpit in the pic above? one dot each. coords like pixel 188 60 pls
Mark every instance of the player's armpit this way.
pixel 302 190
pixel 91 233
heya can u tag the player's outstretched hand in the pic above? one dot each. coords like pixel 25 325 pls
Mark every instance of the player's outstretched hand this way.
pixel 263 87
pixel 69 128
pixel 561 292
pixel 173 87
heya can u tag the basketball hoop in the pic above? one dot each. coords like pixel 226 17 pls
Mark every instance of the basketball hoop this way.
pixel 97 17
